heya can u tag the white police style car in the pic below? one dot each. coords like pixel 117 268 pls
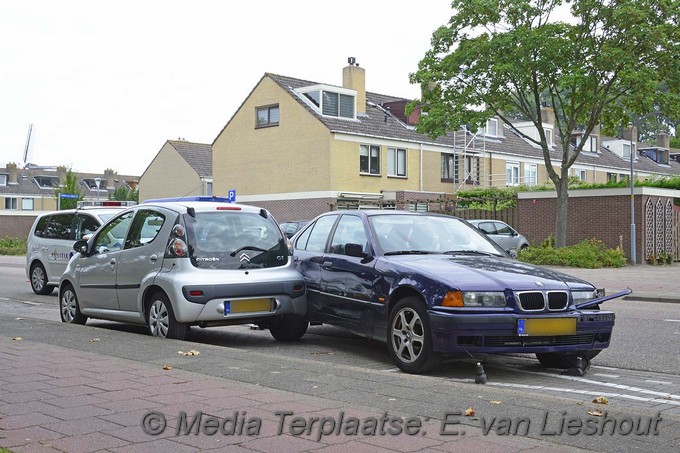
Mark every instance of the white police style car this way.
pixel 50 242
pixel 173 263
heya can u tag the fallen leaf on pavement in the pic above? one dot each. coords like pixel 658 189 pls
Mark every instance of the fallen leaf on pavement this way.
pixel 167 367
pixel 16 338
pixel 495 402
pixel 601 400
pixel 19 319
pixel 669 397
pixel 94 340
pixel 192 352
pixel 470 412
pixel 595 412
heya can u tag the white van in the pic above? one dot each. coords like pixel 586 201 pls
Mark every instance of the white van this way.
pixel 51 239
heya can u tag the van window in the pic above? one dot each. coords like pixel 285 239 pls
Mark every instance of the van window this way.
pixel 60 227
pixel 41 225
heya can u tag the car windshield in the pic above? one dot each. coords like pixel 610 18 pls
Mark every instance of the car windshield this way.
pixel 412 234
pixel 234 240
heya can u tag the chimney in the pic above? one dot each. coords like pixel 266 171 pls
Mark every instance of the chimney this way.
pixel 548 115
pixel 354 78
pixel 663 140
pixel 13 176
pixel 630 133
pixel 61 172
pixel 108 175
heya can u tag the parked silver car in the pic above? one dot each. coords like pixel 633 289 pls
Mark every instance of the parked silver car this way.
pixel 173 263
pixel 501 233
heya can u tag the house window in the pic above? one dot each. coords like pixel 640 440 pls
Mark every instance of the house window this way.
pixel 626 150
pixel 396 162
pixel 268 116
pixel 208 188
pixel 27 204
pixel 657 155
pixel 611 177
pixel 530 174
pixel 335 104
pixel 447 167
pixel 11 203
pixel 491 127
pixel 369 159
pixel 548 137
pixel 47 182
pixel 512 174
pixel 624 177
pixel 582 175
pixel 3 180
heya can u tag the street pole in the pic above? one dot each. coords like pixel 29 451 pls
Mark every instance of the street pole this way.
pixel 633 258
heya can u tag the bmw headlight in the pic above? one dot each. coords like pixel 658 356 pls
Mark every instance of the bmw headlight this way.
pixel 583 296
pixel 481 299
pixel 484 299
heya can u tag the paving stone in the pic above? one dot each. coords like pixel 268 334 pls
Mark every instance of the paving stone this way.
pixel 88 443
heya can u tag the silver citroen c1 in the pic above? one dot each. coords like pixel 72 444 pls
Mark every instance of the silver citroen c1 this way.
pixel 193 261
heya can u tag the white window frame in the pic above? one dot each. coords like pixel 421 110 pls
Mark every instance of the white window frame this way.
pixel 581 174
pixel 28 204
pixel 548 136
pixel 512 173
pixel 369 149
pixel 491 127
pixel 11 203
pixel 448 167
pixel 394 164
pixel 3 180
pixel 530 174
pixel 627 150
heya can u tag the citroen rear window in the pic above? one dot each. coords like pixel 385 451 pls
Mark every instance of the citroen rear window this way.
pixel 234 240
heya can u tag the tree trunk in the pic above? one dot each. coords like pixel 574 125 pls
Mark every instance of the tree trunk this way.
pixel 562 205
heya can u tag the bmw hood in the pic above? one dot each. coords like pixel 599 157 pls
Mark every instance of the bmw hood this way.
pixel 483 273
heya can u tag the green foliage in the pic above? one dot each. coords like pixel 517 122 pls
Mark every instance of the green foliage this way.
pixel 613 61
pixel 70 187
pixel 125 193
pixel 589 254
pixel 12 246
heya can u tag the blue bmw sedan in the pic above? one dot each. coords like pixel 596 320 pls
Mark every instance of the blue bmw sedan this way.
pixel 431 285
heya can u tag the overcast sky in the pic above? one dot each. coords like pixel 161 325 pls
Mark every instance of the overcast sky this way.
pixel 105 84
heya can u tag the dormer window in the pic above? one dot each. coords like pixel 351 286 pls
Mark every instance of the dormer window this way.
pixel 331 101
pixel 47 182
pixel 91 183
pixel 626 150
pixel 590 146
pixel 3 180
pixel 490 128
pixel 660 156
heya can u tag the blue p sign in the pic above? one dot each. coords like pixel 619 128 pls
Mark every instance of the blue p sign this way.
pixel 232 195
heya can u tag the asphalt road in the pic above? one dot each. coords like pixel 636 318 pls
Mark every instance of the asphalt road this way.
pixel 639 373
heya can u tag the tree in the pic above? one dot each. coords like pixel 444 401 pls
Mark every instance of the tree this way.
pixel 70 187
pixel 608 61
pixel 125 193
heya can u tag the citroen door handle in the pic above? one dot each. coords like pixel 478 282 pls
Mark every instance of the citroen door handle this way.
pixel 153 258
pixel 112 262
pixel 327 264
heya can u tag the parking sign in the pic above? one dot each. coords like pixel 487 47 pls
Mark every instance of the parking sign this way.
pixel 232 195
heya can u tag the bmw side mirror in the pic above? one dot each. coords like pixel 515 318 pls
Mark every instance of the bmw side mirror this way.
pixel 355 250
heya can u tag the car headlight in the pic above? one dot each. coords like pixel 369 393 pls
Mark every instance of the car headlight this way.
pixel 583 296
pixel 482 299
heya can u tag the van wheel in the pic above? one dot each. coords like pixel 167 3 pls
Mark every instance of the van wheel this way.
pixel 39 280
pixel 69 310
pixel 409 337
pixel 161 319
pixel 288 328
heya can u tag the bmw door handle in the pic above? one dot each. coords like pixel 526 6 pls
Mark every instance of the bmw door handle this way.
pixel 327 264
pixel 153 258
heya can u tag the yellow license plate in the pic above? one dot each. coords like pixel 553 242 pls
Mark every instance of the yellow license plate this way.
pixel 546 326
pixel 248 306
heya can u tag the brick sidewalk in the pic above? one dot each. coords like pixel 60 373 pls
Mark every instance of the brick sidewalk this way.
pixel 52 398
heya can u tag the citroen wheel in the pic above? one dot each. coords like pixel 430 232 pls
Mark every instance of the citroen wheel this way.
pixel 69 310
pixel 161 319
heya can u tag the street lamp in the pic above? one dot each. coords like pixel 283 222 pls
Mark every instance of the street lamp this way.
pixel 99 180
pixel 633 258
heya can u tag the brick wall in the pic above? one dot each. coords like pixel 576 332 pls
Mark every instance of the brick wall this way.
pixel 606 218
pixel 15 226
pixel 303 209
